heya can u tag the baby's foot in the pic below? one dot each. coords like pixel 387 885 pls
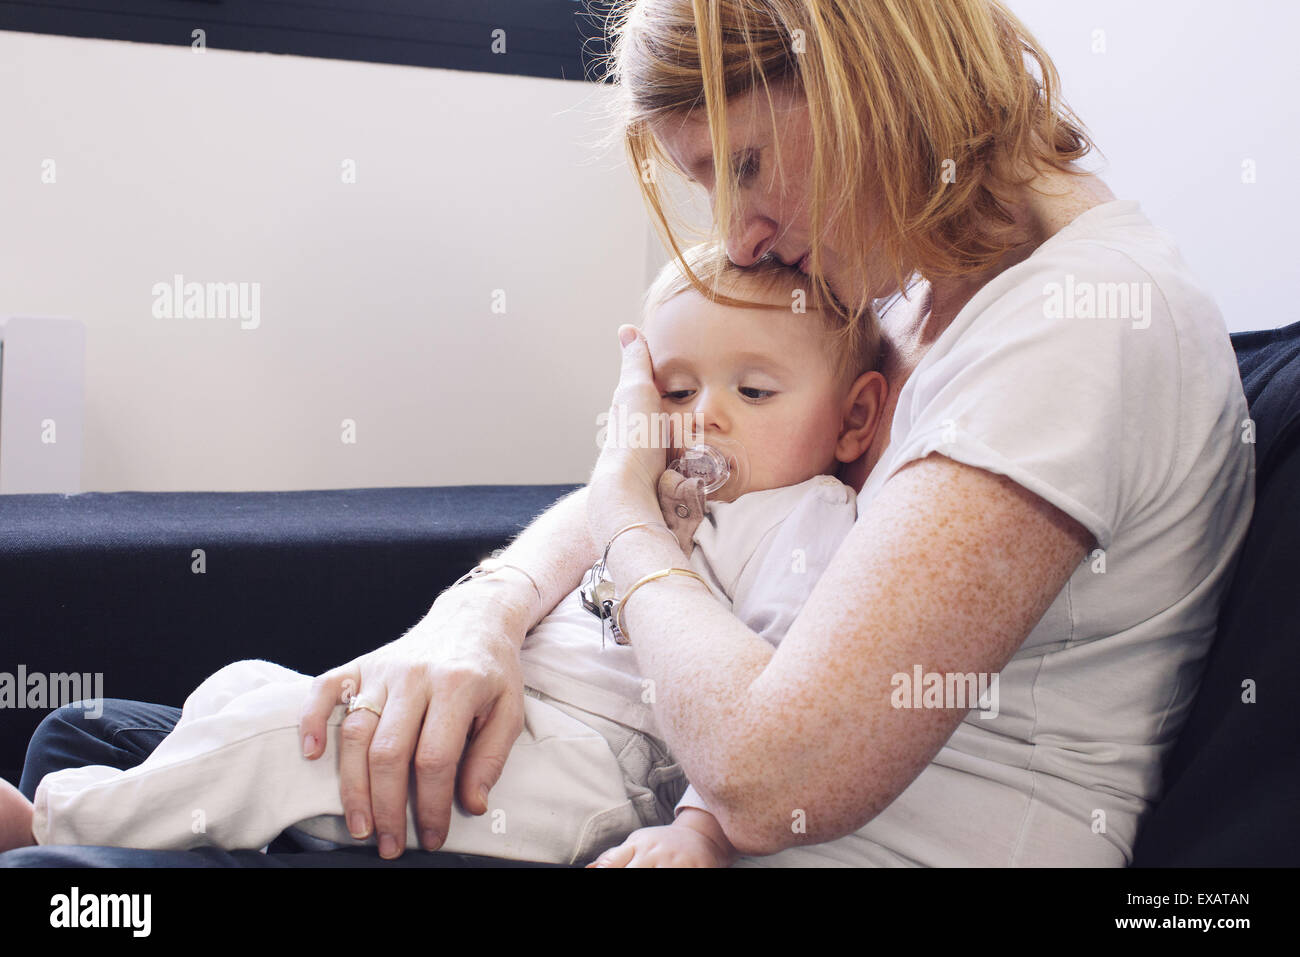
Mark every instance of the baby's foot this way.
pixel 15 818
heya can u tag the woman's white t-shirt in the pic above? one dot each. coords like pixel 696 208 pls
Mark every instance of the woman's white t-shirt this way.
pixel 1099 376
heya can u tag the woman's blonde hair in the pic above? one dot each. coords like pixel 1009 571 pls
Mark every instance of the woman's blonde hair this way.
pixel 933 103
pixel 850 349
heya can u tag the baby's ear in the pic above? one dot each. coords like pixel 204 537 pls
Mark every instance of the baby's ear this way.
pixel 863 416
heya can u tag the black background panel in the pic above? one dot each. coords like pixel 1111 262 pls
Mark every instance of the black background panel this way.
pixel 546 38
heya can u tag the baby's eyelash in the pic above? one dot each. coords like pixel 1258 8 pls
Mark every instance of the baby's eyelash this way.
pixel 681 394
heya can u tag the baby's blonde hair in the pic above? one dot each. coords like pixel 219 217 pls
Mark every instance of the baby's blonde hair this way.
pixel 852 348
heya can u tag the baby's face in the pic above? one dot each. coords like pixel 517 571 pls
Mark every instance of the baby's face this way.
pixel 758 378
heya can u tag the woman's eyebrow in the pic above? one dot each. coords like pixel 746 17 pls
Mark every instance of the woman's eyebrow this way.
pixel 698 165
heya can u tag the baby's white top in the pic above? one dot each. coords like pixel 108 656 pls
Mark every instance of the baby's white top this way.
pixel 760 555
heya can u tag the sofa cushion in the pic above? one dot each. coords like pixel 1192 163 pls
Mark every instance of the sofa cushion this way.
pixel 1270 375
pixel 1232 781
pixel 104 583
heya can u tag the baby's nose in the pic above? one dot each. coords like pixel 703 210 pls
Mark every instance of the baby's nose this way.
pixel 708 420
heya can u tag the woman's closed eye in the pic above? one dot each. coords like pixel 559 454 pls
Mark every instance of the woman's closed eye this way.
pixel 747 169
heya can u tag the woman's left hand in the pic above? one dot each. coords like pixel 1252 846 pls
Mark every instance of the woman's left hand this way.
pixel 624 483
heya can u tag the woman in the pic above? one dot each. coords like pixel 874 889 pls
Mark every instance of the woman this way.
pixel 1058 503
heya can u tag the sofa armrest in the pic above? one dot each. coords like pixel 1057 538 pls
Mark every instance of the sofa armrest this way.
pixel 144 594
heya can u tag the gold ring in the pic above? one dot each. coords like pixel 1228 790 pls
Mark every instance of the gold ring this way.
pixel 355 704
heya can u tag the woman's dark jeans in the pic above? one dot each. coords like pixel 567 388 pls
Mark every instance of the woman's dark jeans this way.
pixel 123 736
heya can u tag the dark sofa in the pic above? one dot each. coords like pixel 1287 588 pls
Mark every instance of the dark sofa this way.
pixel 102 582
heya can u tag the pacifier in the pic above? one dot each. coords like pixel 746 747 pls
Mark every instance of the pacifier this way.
pixel 715 462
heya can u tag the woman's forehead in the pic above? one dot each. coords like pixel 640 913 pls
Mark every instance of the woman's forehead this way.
pixel 688 141
pixel 688 144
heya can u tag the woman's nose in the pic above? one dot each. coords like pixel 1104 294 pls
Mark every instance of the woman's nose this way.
pixel 750 237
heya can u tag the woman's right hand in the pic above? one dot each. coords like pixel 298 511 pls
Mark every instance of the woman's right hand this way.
pixel 451 695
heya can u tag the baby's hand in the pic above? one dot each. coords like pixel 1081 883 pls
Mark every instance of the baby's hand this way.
pixel 684 843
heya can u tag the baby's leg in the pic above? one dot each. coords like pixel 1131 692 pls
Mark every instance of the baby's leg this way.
pixel 230 774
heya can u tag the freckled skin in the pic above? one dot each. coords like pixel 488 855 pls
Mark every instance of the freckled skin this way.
pixel 949 567
pixel 762 732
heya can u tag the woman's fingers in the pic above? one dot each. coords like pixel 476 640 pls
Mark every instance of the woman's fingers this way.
pixel 636 386
pixel 634 417
pixel 389 758
pixel 354 771
pixel 447 723
pixel 356 734
pixel 487 751
pixel 325 694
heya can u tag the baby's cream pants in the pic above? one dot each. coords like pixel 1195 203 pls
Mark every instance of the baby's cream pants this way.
pixel 231 774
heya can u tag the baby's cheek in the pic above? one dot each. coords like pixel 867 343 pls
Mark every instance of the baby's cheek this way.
pixel 803 449
pixel 782 453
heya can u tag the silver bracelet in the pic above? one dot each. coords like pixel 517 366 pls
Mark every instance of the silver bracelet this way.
pixel 490 565
pixel 597 589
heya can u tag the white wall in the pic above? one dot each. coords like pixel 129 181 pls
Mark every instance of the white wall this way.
pixel 375 296
pixel 1185 91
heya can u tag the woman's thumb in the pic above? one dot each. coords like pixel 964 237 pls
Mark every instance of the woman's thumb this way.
pixel 626 335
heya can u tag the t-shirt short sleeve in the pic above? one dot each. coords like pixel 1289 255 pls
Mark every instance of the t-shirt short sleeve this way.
pixel 1061 374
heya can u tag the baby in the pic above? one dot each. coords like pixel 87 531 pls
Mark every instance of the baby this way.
pixel 798 402
pixel 786 400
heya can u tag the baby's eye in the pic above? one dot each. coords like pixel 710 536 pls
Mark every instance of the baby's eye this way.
pixel 762 393
pixel 678 396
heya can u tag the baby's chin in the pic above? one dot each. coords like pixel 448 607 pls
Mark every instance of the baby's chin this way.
pixel 734 489
pixel 728 493
pixel 742 480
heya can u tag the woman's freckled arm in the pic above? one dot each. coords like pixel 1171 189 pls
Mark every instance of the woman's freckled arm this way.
pixel 950 569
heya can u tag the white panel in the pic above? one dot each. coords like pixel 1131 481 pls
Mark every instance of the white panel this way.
pixel 42 379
